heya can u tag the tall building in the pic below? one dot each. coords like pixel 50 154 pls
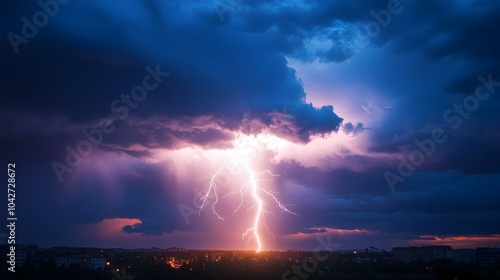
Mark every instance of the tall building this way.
pixel 488 256
pixel 175 250
pixel 96 263
pixel 424 253
pixel 24 252
pixel 462 255
pixel 68 260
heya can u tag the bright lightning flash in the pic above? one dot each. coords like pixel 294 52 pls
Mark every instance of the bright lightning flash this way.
pixel 238 161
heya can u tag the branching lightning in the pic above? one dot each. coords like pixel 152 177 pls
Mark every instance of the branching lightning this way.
pixel 212 188
pixel 253 186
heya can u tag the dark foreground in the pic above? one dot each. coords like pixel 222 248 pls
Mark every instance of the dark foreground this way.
pixel 242 265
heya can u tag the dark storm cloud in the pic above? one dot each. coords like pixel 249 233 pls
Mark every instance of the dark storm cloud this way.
pixel 68 75
pixel 216 71
pixel 161 133
pixel 445 202
pixel 456 30
pixel 131 190
pixel 232 76
pixel 349 128
pixel 314 230
pixel 339 181
pixel 146 228
pixel 471 148
pixel 464 31
pixel 441 32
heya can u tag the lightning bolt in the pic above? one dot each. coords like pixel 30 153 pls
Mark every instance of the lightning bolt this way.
pixel 212 187
pixel 253 186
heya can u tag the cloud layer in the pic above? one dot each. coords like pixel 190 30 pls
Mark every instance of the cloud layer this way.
pixel 347 106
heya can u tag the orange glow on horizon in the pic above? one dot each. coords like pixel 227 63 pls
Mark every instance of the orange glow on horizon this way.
pixel 459 241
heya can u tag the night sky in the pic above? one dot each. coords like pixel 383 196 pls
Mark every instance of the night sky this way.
pixel 379 121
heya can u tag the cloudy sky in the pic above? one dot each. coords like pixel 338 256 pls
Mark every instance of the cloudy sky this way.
pixel 370 123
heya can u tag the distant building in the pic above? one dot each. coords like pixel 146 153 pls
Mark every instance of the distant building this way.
pixel 69 260
pixel 175 250
pixel 95 263
pixel 24 252
pixel 117 250
pixel 407 254
pixel 488 256
pixel 462 255
pixel 430 253
pixel 374 250
pixel 424 253
pixel 363 260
